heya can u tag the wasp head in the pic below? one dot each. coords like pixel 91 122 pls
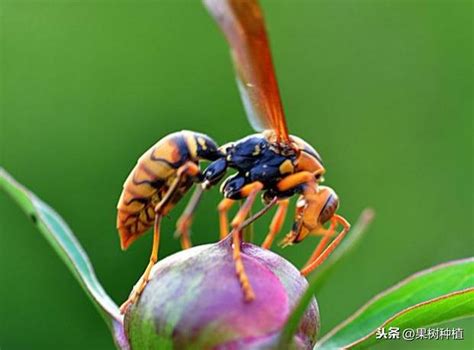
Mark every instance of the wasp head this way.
pixel 315 207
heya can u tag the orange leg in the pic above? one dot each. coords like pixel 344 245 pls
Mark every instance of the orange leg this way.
pixel 250 191
pixel 138 289
pixel 325 239
pixel 183 225
pixel 249 294
pixel 303 225
pixel 293 180
pixel 276 224
pixel 290 182
pixel 259 214
pixel 330 248
pixel 188 168
pixel 223 208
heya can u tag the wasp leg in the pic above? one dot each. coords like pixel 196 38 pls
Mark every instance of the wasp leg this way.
pixel 223 208
pixel 249 191
pixel 258 214
pixel 326 234
pixel 330 248
pixel 291 181
pixel 184 222
pixel 161 209
pixel 306 180
pixel 249 295
pixel 138 289
pixel 277 223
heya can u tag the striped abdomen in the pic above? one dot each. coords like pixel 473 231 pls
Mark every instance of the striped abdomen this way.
pixel 150 179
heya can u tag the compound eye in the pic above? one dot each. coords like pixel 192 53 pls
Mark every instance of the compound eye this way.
pixel 329 209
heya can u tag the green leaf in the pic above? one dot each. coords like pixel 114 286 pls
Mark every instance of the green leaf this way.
pixel 439 294
pixel 61 238
pixel 353 237
pixel 445 308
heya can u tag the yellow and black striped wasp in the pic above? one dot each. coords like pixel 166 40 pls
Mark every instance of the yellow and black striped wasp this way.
pixel 272 162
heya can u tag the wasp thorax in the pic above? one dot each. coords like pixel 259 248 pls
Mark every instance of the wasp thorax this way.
pixel 330 206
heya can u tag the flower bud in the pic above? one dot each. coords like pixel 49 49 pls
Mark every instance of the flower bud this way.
pixel 194 301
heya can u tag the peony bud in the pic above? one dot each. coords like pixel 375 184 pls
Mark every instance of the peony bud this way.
pixel 194 301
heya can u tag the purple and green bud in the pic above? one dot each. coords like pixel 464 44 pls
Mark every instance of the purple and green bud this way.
pixel 194 301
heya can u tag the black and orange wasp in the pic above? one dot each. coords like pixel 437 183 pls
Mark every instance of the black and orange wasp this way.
pixel 272 161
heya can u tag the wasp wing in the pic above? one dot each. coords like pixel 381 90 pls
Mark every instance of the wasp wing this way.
pixel 244 28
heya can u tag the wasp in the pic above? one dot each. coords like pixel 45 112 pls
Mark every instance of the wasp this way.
pixel 271 162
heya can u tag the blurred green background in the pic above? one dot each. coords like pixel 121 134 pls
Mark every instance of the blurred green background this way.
pixel 383 89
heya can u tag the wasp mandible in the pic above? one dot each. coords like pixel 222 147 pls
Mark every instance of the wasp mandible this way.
pixel 271 162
